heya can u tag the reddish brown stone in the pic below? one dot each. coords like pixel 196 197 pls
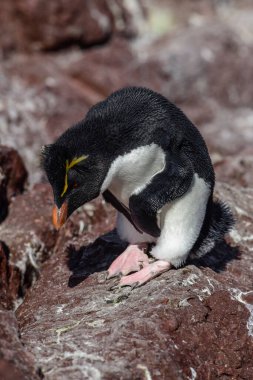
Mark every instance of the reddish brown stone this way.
pixel 212 338
pixel 55 91
pixel 8 371
pixel 13 177
pixel 185 68
pixel 235 169
pixel 15 362
pixel 40 25
pixel 4 276
pixel 190 320
pixel 14 171
pixel 29 236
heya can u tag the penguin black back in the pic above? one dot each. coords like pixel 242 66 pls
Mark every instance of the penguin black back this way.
pixel 135 116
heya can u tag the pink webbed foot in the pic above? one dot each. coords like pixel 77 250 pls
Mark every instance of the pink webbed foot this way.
pixel 145 274
pixel 131 260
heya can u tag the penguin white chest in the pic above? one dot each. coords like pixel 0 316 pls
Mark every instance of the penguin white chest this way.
pixel 132 172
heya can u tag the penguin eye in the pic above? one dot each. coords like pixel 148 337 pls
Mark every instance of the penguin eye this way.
pixel 74 179
pixel 73 184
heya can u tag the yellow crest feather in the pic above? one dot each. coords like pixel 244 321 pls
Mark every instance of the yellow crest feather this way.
pixel 70 165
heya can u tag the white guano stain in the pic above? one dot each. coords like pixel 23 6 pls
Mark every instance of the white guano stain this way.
pixel 234 234
pixel 59 309
pixel 190 280
pixel 146 371
pixel 193 374
pixel 237 295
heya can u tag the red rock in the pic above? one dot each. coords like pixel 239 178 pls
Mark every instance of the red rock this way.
pixel 29 236
pixel 209 345
pixel 235 169
pixel 4 276
pixel 15 362
pixel 248 298
pixel 54 25
pixel 185 67
pixel 14 171
pixel 52 92
pixel 13 176
pixel 8 371
pixel 187 321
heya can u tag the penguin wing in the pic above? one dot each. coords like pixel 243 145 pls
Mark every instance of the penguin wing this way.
pixel 164 187
pixel 110 198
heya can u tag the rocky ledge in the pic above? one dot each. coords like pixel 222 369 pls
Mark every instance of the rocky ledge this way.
pixel 60 318
pixel 75 324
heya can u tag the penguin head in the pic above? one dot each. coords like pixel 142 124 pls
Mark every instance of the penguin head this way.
pixel 76 177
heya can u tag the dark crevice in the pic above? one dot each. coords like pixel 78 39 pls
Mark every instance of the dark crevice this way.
pixel 40 373
pixel 6 252
pixel 73 42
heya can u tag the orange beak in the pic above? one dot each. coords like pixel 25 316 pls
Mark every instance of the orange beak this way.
pixel 60 215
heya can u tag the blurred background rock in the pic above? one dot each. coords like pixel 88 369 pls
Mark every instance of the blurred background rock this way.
pixel 60 57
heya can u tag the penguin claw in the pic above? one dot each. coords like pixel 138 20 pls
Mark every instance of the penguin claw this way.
pixel 114 287
pixel 131 260
pixel 111 275
pixel 144 275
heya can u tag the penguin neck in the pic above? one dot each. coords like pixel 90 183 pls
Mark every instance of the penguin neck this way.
pixel 131 172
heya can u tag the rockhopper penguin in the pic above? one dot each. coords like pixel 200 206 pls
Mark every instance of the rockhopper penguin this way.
pixel 146 158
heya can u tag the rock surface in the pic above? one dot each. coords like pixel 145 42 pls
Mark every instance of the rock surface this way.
pixel 196 319
pixel 15 362
pixel 40 25
pixel 45 94
pixel 13 176
pixel 29 236
pixel 29 239
pixel 59 316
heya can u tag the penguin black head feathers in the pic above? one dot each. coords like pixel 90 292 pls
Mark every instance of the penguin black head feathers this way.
pixel 75 177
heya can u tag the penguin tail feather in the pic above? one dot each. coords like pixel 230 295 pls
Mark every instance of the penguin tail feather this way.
pixel 220 223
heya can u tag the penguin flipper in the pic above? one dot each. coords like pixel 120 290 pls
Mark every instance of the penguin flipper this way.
pixel 110 198
pixel 165 186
